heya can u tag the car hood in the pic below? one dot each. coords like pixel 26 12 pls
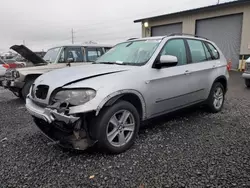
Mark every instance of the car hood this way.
pixel 28 54
pixel 45 68
pixel 70 75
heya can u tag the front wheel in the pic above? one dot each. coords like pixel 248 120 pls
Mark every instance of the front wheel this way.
pixel 116 127
pixel 216 98
pixel 247 82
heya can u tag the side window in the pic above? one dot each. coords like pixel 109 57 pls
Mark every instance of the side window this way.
pixel 208 54
pixel 75 53
pixel 176 47
pixel 93 53
pixel 197 51
pixel 214 52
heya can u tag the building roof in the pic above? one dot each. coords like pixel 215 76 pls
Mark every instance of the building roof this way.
pixel 211 7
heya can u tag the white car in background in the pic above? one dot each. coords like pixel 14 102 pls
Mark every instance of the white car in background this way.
pixel 19 81
pixel 246 74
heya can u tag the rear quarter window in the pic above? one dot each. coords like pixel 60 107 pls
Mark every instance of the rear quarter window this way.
pixel 213 50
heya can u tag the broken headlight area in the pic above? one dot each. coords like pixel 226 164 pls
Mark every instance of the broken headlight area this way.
pixel 74 97
pixel 72 135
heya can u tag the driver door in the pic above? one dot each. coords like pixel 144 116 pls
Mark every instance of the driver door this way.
pixel 169 87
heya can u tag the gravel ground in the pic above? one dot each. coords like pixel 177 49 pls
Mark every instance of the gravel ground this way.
pixel 191 148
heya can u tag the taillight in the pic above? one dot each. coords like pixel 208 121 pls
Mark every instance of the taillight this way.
pixel 6 66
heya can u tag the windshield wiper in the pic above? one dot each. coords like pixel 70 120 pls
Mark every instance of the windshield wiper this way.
pixel 109 63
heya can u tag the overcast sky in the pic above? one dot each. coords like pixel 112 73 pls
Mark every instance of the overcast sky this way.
pixel 46 23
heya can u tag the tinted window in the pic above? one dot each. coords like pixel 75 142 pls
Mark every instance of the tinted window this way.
pixel 93 53
pixel 197 51
pixel 75 53
pixel 213 51
pixel 176 48
pixel 208 54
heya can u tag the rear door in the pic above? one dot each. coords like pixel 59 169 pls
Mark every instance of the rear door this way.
pixel 202 68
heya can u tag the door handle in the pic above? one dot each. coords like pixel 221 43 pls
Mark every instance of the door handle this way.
pixel 187 72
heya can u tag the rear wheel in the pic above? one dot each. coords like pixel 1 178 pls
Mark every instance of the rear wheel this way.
pixel 116 127
pixel 26 88
pixel 216 98
pixel 247 82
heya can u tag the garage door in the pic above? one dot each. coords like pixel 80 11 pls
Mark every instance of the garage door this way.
pixel 166 29
pixel 225 32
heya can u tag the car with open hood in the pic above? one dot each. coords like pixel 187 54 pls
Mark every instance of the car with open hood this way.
pixel 19 80
pixel 104 102
pixel 6 64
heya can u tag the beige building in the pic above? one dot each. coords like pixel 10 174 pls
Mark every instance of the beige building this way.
pixel 227 24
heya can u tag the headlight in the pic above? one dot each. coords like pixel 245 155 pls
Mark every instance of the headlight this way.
pixel 75 96
pixel 15 74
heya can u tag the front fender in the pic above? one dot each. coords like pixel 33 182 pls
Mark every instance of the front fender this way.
pixel 120 92
pixel 97 104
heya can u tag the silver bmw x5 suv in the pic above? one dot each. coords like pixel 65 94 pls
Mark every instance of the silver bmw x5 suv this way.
pixel 104 102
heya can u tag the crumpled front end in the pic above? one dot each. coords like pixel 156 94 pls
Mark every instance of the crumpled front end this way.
pixel 69 131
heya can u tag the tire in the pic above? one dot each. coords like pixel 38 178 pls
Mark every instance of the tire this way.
pixel 26 88
pixel 103 127
pixel 212 105
pixel 247 82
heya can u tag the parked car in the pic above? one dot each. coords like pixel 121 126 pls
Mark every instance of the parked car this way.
pixel 104 102
pixel 246 74
pixel 9 64
pixel 14 63
pixel 19 80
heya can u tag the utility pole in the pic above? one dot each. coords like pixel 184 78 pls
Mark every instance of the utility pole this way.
pixel 24 42
pixel 218 2
pixel 72 36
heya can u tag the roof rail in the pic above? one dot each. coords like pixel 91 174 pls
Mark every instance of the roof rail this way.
pixel 131 39
pixel 176 34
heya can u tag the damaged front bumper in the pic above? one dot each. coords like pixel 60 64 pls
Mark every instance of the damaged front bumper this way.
pixel 65 130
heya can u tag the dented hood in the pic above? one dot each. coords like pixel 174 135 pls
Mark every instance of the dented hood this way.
pixel 66 76
pixel 28 54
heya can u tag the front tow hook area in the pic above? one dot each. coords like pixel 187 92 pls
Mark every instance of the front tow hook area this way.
pixel 71 136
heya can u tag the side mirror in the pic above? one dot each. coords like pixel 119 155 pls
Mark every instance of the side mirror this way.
pixel 167 61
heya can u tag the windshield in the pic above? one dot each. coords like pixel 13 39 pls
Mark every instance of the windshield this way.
pixel 51 55
pixel 131 52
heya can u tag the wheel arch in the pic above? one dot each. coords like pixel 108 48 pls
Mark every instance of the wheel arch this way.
pixel 223 81
pixel 132 96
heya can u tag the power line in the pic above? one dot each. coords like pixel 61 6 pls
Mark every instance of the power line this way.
pixel 72 36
